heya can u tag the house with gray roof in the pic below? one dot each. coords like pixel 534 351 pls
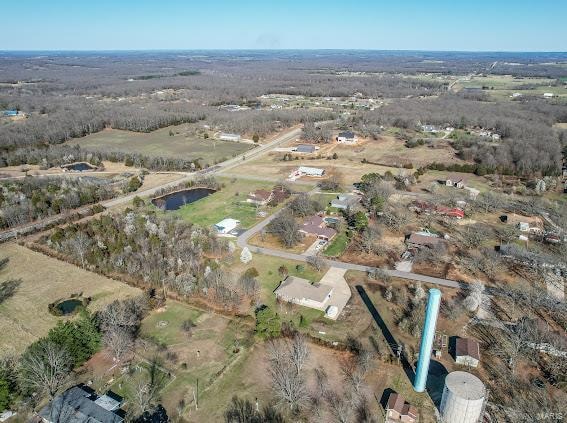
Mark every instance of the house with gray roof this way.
pixel 81 404
pixel 344 201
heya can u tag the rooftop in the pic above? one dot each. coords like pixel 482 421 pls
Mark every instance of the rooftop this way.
pixel 418 239
pixel 467 347
pixel 293 287
pixel 77 405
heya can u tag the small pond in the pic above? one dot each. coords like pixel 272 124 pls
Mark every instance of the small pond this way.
pixel 175 200
pixel 69 306
pixel 79 167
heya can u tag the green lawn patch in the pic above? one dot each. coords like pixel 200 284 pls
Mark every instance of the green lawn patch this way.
pixel 337 246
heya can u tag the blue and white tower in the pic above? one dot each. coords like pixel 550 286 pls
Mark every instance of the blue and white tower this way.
pixel 427 336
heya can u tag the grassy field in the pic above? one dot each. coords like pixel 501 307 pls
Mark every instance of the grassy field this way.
pixel 503 86
pixel 24 317
pixel 229 202
pixel 183 144
pixel 198 358
pixel 388 152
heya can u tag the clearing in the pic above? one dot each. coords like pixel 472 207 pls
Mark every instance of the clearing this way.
pixel 386 153
pixel 24 317
pixel 183 144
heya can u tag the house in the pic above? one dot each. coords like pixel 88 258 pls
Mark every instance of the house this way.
pixel 467 352
pixel 10 113
pixel 347 137
pixel 344 201
pixel 301 291
pixel 279 194
pixel 455 212
pixel 398 410
pixel 80 404
pixel 523 226
pixel 229 137
pixel 548 95
pixel 417 240
pixel 429 128
pixel 305 148
pixel 429 208
pixel 226 225
pixel 306 171
pixel 260 197
pixel 455 181
pixel 315 225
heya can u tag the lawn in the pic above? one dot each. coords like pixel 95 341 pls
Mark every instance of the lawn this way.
pixel 199 356
pixel 24 317
pixel 183 144
pixel 229 202
pixel 337 246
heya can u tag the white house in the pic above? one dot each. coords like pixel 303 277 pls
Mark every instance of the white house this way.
pixel 311 171
pixel 301 291
pixel 455 181
pixel 229 137
pixel 347 137
pixel 226 225
pixel 548 95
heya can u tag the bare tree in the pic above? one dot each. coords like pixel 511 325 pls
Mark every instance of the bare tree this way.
pixel 299 352
pixel 119 342
pixel 317 262
pixel 46 367
pixel 287 381
pixel 80 245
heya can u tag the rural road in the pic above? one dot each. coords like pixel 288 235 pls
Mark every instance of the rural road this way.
pixel 284 137
pixel 242 241
pixel 217 169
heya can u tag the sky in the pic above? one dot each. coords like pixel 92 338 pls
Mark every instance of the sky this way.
pixel 477 25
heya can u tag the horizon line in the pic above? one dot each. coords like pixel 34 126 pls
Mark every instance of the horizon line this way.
pixel 272 50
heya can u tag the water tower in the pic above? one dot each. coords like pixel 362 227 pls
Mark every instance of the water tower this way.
pixel 463 398
pixel 427 337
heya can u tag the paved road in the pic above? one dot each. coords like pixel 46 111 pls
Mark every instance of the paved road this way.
pixel 242 241
pixel 219 168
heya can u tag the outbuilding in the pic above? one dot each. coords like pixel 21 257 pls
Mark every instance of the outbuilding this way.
pixel 347 137
pixel 467 352
pixel 226 225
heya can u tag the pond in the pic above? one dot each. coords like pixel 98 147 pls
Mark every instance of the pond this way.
pixel 79 167
pixel 175 200
pixel 69 306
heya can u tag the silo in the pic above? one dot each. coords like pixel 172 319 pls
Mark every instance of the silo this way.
pixel 463 398
pixel 427 336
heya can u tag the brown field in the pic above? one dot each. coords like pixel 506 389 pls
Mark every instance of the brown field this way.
pixel 388 153
pixel 24 317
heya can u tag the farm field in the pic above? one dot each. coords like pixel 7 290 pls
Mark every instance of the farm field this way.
pixel 24 317
pixel 501 86
pixel 159 143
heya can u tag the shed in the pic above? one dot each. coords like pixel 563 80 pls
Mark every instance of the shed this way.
pixel 467 352
pixel 305 148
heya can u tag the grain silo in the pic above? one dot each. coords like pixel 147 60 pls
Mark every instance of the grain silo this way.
pixel 463 398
